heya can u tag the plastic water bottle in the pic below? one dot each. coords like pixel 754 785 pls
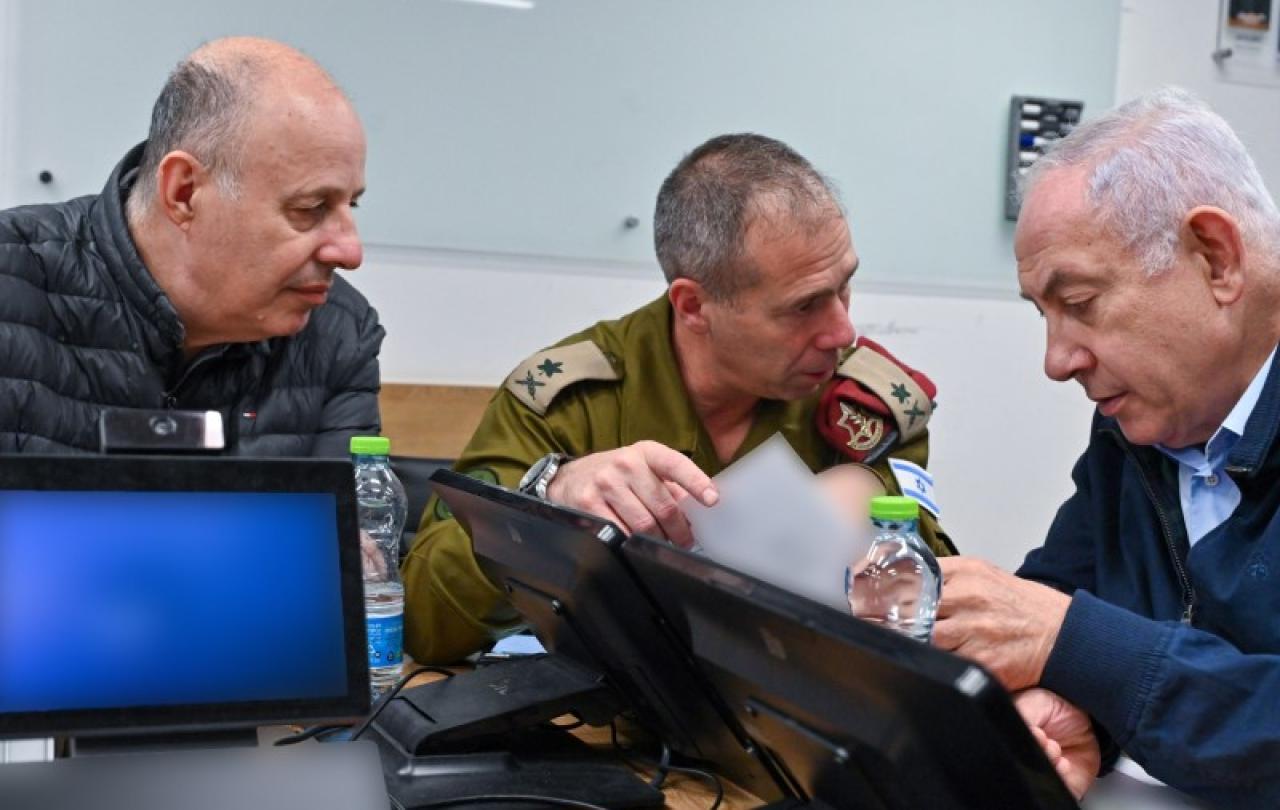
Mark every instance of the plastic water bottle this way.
pixel 383 508
pixel 898 583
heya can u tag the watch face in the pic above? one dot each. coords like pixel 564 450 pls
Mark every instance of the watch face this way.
pixel 533 473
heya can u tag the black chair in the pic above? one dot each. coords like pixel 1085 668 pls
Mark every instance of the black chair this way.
pixel 415 474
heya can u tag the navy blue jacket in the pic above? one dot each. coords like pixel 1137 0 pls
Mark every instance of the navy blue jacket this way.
pixel 1174 651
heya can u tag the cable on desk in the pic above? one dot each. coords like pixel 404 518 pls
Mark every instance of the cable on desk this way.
pixel 665 765
pixel 511 797
pixel 621 750
pixel 309 733
pixel 707 776
pixel 392 692
pixel 613 740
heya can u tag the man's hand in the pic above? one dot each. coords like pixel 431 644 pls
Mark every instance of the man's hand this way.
pixel 633 487
pixel 1065 733
pixel 851 488
pixel 1005 623
pixel 371 557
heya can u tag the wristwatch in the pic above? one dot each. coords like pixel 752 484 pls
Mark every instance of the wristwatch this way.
pixel 539 476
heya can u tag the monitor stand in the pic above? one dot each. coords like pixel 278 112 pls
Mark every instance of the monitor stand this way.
pixel 549 765
pixel 484 734
pixel 166 741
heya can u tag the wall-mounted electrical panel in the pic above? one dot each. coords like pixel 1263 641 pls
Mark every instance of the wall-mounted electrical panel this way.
pixel 1034 123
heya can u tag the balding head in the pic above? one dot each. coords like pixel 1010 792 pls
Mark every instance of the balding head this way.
pixel 265 55
pixel 206 107
pixel 244 205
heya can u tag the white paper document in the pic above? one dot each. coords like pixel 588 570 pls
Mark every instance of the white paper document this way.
pixel 774 522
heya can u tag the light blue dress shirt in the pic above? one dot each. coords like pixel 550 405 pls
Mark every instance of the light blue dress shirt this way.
pixel 1208 494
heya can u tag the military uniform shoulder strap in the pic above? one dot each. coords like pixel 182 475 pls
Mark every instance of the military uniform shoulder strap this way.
pixel 908 402
pixel 539 380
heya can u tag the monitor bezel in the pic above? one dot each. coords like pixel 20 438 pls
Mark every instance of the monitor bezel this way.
pixel 206 474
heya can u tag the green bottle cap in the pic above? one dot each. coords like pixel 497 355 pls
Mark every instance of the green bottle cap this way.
pixel 370 445
pixel 894 507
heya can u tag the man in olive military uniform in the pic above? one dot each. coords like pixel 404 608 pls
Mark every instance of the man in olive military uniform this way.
pixel 626 418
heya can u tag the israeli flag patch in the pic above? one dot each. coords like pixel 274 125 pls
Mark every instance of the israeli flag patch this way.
pixel 915 483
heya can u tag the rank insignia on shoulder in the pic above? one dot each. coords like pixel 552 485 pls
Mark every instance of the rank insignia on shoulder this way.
pixel 874 401
pixel 538 380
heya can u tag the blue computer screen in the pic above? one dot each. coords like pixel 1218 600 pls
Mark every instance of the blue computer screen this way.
pixel 124 599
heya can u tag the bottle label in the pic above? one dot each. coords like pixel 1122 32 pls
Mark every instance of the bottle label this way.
pixel 386 640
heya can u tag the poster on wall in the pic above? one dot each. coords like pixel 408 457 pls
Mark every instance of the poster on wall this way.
pixel 1248 44
pixel 1248 21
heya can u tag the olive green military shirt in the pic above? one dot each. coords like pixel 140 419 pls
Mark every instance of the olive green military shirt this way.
pixel 610 386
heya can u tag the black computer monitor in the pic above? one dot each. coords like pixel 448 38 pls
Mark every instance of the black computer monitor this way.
pixel 856 715
pixel 564 573
pixel 147 595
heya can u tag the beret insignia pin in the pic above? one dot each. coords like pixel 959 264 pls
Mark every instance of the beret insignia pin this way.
pixel 865 430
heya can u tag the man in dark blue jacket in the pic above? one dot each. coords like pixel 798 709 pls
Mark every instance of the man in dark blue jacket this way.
pixel 1151 247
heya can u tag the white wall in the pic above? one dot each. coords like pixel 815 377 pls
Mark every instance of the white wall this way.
pixel 8 101
pixel 1170 42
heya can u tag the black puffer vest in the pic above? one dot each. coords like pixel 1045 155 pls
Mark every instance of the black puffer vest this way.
pixel 84 326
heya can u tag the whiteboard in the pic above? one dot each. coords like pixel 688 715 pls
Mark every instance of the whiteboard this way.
pixel 537 133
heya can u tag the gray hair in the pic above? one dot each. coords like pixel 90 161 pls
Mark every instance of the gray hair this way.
pixel 1155 158
pixel 202 109
pixel 709 200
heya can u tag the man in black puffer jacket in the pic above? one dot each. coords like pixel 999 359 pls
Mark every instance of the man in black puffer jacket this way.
pixel 203 275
